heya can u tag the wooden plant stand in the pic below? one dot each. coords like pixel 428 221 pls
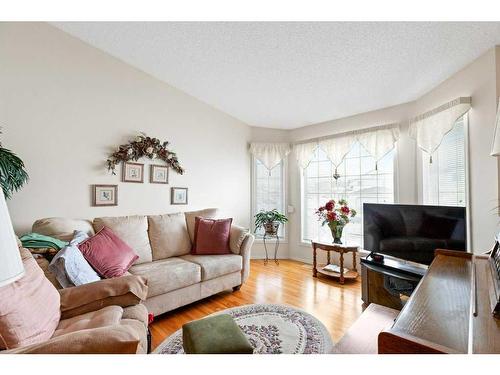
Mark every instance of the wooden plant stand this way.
pixel 338 248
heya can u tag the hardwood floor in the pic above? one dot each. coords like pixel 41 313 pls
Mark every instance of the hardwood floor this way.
pixel 290 282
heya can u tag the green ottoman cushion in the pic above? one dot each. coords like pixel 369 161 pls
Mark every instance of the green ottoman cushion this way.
pixel 217 334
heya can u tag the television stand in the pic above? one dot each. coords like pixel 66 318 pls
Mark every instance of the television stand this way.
pixel 389 282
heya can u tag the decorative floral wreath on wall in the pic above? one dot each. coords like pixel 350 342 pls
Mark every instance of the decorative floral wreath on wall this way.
pixel 144 146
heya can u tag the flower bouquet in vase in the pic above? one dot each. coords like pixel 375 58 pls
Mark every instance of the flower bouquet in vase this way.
pixel 336 215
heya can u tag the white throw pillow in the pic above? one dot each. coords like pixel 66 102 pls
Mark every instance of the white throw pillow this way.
pixel 69 265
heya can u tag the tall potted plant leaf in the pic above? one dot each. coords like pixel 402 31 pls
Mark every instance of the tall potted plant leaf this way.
pixel 12 173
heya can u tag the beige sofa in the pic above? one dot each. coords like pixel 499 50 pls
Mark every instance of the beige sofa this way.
pixel 103 317
pixel 163 243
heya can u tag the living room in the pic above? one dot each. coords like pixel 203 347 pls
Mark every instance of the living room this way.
pixel 249 187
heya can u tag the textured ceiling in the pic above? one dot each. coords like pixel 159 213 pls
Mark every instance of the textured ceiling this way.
pixel 287 75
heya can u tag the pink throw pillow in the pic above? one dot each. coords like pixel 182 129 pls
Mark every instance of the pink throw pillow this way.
pixel 108 254
pixel 211 236
pixel 29 308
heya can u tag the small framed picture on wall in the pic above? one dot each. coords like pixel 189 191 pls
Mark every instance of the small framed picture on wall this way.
pixel 158 174
pixel 133 172
pixel 105 195
pixel 178 195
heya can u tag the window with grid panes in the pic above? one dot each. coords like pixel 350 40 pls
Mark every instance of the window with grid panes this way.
pixel 268 191
pixel 443 180
pixel 360 181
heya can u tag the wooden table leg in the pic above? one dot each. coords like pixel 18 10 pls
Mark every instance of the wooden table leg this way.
pixel 354 262
pixel 341 267
pixel 328 257
pixel 315 272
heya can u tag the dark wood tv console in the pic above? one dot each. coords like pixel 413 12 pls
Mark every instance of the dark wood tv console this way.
pixel 449 312
pixel 374 274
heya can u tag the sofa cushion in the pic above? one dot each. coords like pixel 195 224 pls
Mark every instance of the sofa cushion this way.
pixel 70 266
pixel 208 213
pixel 133 230
pixel 120 291
pixel 61 228
pixel 107 253
pixel 211 236
pixel 168 235
pixel 213 266
pixel 29 307
pixel 167 274
pixel 104 317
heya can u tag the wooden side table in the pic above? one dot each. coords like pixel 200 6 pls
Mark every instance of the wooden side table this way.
pixel 338 248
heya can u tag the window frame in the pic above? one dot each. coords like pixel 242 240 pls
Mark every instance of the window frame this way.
pixel 253 200
pixel 420 178
pixel 395 175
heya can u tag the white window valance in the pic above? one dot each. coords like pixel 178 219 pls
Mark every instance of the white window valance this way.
pixel 429 128
pixel 270 154
pixel 377 141
pixel 304 153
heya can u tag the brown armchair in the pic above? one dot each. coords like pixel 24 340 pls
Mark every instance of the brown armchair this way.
pixel 104 317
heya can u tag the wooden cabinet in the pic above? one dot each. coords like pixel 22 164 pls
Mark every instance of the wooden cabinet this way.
pixel 449 300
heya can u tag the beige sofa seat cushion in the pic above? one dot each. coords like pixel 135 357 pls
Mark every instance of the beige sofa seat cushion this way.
pixel 116 339
pixel 208 213
pixel 168 235
pixel 137 312
pixel 131 229
pixel 168 274
pixel 213 266
pixel 105 317
pixel 62 228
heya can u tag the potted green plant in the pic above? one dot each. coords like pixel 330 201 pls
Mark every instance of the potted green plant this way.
pixel 12 173
pixel 270 221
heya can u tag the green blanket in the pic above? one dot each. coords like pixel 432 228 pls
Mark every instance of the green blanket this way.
pixel 38 241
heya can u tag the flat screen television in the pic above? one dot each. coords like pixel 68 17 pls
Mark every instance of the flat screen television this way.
pixel 413 232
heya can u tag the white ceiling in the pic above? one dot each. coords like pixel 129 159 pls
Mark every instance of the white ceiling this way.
pixel 287 75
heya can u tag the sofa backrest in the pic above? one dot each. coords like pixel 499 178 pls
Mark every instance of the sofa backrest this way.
pixel 168 235
pixel 131 229
pixel 208 213
pixel 62 228
pixel 152 237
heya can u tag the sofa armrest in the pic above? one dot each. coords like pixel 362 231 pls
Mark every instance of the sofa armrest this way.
pixel 240 242
pixel 116 339
pixel 246 249
pixel 122 291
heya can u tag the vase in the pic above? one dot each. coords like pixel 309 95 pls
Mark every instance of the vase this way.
pixel 271 228
pixel 337 233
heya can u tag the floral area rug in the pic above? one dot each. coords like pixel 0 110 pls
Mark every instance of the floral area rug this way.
pixel 271 329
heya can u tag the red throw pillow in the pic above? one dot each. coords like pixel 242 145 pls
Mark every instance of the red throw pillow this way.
pixel 108 254
pixel 211 236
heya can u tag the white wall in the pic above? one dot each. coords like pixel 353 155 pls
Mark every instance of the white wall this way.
pixel 65 105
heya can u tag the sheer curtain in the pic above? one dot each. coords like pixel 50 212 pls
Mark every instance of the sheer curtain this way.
pixel 377 141
pixel 430 128
pixel 270 154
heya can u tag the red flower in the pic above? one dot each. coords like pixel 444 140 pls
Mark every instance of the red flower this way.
pixel 331 216
pixel 321 209
pixel 330 205
pixel 345 210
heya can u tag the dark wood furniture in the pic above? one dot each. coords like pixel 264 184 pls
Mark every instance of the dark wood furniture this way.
pixel 338 248
pixel 374 275
pixel 361 338
pixel 451 298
